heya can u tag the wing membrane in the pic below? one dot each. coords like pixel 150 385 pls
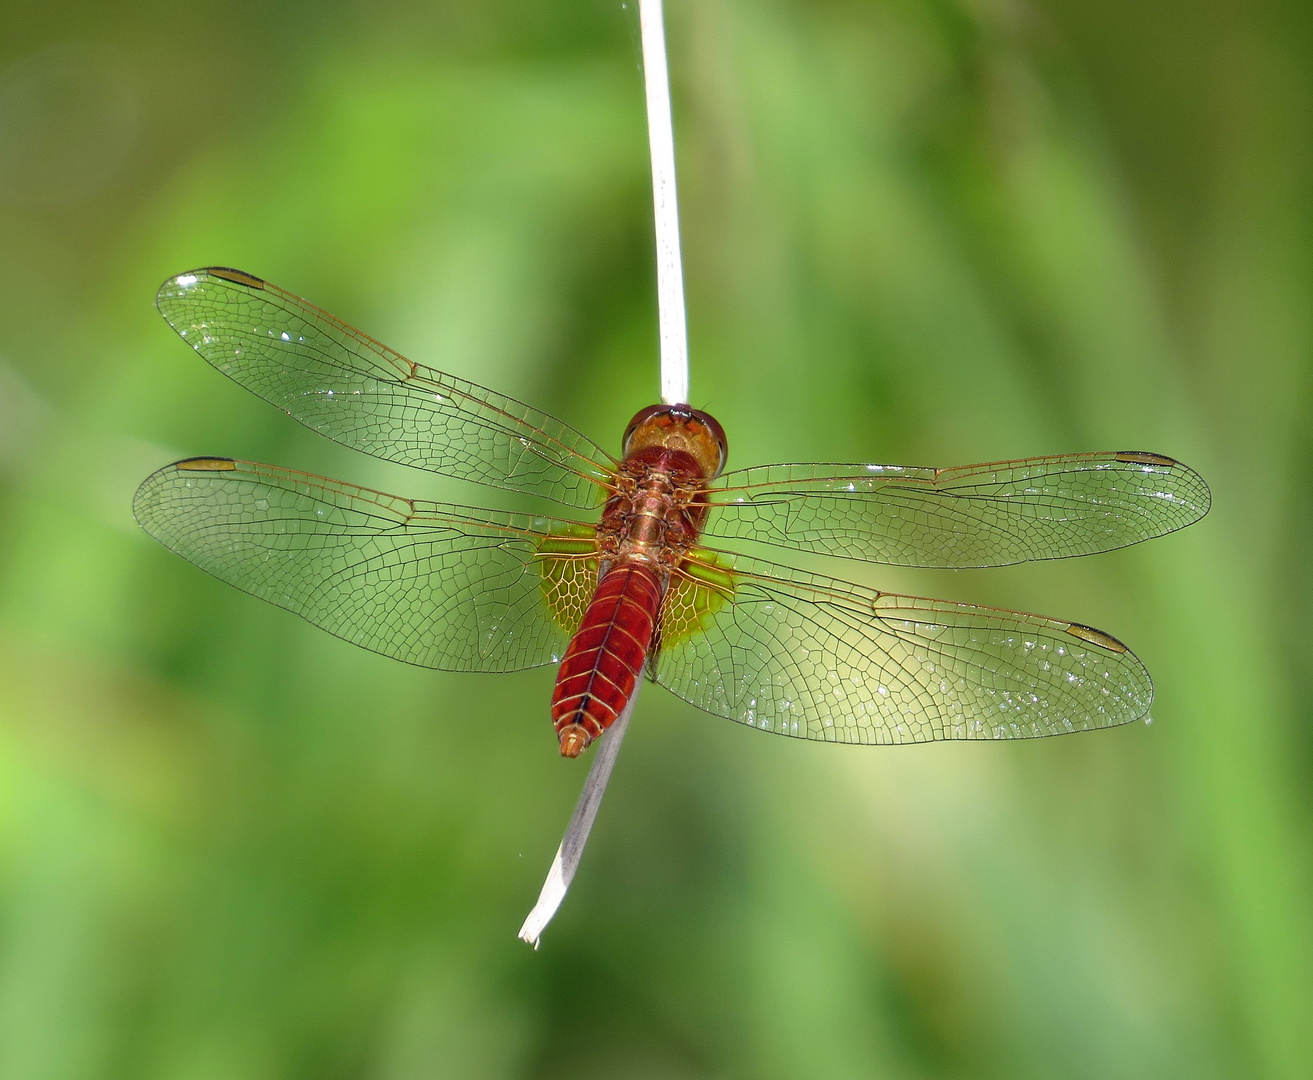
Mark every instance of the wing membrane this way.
pixel 345 385
pixel 442 586
pixel 804 655
pixel 971 515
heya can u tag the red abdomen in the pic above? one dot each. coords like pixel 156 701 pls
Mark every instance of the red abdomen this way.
pixel 606 655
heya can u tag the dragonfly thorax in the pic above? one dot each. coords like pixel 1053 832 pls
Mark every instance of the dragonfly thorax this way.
pixel 657 511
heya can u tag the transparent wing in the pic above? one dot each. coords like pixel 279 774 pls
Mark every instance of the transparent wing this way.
pixel 971 515
pixel 809 656
pixel 447 587
pixel 345 385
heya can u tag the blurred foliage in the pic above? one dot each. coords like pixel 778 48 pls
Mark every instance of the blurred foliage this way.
pixel 928 231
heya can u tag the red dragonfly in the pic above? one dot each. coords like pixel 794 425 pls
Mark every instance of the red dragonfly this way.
pixel 628 585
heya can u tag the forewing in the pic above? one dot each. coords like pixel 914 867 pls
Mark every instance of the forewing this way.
pixel 344 384
pixel 971 515
pixel 805 655
pixel 448 587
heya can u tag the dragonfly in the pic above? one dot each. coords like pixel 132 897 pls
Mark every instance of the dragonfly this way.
pixel 630 582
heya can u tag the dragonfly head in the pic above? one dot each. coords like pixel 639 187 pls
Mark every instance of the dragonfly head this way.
pixel 679 427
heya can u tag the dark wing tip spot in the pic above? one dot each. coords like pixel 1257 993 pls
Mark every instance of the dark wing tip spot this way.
pixel 206 464
pixel 1143 457
pixel 238 277
pixel 1096 637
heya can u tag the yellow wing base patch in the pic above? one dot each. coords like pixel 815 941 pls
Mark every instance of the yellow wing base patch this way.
pixel 568 564
pixel 702 586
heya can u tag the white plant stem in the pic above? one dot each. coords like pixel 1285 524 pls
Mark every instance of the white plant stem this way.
pixel 576 834
pixel 670 271
pixel 674 391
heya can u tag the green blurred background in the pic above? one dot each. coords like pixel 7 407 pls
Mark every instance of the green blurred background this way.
pixel 919 231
